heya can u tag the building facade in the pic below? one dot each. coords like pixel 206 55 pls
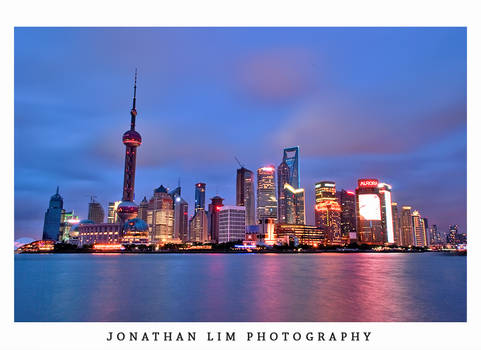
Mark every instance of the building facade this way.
pixel 396 221
pixel 213 217
pixel 53 216
pixel 327 211
pixel 96 212
pixel 419 230
pixel 112 216
pixel 198 227
pixel 386 213
pixel 245 194
pixel 295 205
pixel 266 193
pixel 369 213
pixel 160 217
pixel 407 232
pixel 199 196
pixel 347 201
pixel 232 225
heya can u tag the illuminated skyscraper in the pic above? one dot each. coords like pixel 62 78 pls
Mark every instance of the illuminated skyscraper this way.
pixel 396 221
pixel 407 232
pixel 232 223
pixel 53 215
pixel 112 216
pixel 295 205
pixel 282 179
pixel 419 230
pixel 96 212
pixel 181 215
pixel 160 217
pixel 266 193
pixel 213 216
pixel 245 194
pixel 368 208
pixel 128 209
pixel 386 212
pixel 291 158
pixel 198 227
pixel 347 200
pixel 199 196
pixel 327 212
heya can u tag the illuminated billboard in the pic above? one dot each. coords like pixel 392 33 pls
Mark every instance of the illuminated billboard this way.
pixel 369 207
pixel 367 183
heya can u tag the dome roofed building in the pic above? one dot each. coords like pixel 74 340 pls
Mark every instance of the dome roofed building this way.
pixel 135 231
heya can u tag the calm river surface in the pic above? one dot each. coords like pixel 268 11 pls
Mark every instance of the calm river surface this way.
pixel 240 287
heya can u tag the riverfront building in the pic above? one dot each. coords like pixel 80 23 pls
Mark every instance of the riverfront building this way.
pixel 53 215
pixel 327 212
pixel 232 223
pixel 245 194
pixel 266 193
pixel 96 212
pixel 369 214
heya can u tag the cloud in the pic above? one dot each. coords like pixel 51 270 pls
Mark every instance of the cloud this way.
pixel 277 75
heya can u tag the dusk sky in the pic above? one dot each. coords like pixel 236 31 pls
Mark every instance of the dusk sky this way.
pixel 386 103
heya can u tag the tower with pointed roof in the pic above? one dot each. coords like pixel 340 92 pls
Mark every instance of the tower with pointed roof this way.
pixel 53 215
pixel 131 139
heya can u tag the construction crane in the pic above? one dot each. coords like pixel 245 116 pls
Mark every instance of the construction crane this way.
pixel 238 161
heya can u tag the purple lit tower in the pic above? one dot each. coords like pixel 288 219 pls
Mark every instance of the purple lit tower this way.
pixel 127 209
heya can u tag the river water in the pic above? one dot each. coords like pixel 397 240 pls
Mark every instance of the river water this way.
pixel 345 287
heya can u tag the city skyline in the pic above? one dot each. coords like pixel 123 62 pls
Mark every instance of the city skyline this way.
pixel 418 177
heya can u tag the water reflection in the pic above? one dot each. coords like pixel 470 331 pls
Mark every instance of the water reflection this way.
pixel 240 287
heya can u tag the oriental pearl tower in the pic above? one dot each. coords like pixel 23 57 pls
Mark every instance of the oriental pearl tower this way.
pixel 127 209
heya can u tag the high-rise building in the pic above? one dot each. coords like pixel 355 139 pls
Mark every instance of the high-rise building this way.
pixel 198 227
pixel 245 194
pixel 295 205
pixel 291 158
pixel 435 235
pixel 426 229
pixel 112 216
pixel 451 236
pixel 327 212
pixel 369 214
pixel 266 193
pixel 347 200
pixel 199 196
pixel 143 207
pixel 160 217
pixel 419 230
pixel 181 215
pixel 386 212
pixel 232 223
pixel 128 209
pixel 96 212
pixel 407 231
pixel 213 217
pixel 53 215
pixel 282 179
pixel 396 221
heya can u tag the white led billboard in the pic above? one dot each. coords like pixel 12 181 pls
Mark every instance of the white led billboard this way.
pixel 370 207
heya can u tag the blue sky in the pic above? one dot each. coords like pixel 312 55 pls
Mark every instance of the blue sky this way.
pixel 388 103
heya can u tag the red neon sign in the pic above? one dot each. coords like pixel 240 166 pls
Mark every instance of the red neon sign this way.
pixel 367 182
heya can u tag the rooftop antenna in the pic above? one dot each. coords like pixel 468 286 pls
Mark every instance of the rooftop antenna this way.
pixel 57 189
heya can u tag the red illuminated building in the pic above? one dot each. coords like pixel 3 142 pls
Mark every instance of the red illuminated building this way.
pixel 214 208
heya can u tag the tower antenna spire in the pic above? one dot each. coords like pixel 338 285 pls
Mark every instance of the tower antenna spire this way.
pixel 135 88
pixel 57 189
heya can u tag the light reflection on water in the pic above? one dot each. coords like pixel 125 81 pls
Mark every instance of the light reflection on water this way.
pixel 240 287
